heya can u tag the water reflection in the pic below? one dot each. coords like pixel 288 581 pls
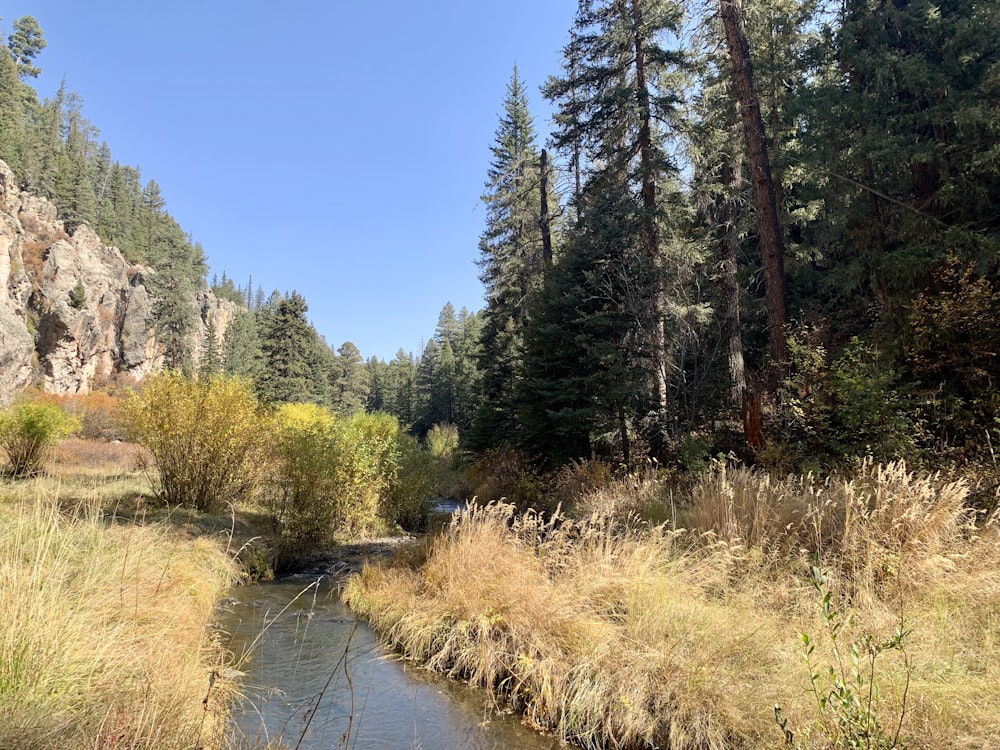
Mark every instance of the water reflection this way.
pixel 318 674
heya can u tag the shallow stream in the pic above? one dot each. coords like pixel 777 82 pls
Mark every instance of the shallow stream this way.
pixel 318 674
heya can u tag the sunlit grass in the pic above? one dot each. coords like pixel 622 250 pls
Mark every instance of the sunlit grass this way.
pixel 616 633
pixel 104 641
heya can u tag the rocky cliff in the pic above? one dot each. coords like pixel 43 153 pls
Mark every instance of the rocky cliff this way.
pixel 50 334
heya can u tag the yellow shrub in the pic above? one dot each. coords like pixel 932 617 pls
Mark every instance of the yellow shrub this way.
pixel 340 476
pixel 28 429
pixel 208 438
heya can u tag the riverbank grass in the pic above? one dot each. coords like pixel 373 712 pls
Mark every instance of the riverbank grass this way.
pixel 612 632
pixel 104 642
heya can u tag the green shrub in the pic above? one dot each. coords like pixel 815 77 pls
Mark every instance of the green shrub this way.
pixel 851 405
pixel 28 429
pixel 376 448
pixel 442 441
pixel 306 506
pixel 78 296
pixel 334 475
pixel 208 438
pixel 420 479
pixel 847 689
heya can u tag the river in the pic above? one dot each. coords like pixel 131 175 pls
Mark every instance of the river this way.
pixel 318 675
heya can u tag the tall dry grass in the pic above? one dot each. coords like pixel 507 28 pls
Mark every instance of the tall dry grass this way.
pixel 103 643
pixel 615 633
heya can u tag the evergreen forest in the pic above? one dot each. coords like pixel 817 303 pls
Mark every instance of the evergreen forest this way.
pixel 764 229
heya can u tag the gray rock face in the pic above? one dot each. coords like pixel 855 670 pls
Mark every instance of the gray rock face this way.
pixel 52 338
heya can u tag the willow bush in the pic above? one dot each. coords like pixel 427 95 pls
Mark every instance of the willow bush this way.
pixel 209 438
pixel 28 430
pixel 344 477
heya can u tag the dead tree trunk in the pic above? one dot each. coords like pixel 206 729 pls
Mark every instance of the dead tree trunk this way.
pixel 728 282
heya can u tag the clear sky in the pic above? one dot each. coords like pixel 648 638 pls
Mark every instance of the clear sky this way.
pixel 338 148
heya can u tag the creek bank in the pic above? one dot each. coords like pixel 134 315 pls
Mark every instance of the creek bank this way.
pixel 318 674
pixel 344 560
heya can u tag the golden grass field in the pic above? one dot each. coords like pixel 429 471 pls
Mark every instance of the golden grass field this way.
pixel 104 641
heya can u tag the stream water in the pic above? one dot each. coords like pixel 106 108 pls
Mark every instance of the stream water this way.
pixel 319 675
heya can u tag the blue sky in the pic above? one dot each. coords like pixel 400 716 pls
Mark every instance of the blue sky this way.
pixel 335 148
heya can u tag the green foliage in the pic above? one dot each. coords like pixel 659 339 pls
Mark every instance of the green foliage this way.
pixel 334 475
pixel 847 690
pixel 308 506
pixel 211 361
pixel 78 296
pixel 25 42
pixel 442 441
pixel 420 479
pixel 511 262
pixel 12 120
pixel 393 387
pixel 209 439
pixel 349 380
pixel 28 429
pixel 851 406
pixel 952 352
pixel 342 476
pixel 296 363
pixel 241 350
pixel 226 289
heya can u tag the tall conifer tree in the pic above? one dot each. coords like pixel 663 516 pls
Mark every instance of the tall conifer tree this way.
pixel 618 105
pixel 512 262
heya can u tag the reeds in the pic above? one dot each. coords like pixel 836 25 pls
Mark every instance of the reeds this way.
pixel 616 633
pixel 103 643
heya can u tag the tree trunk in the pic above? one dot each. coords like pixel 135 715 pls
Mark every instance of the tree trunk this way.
pixel 544 219
pixel 768 226
pixel 729 287
pixel 623 434
pixel 650 231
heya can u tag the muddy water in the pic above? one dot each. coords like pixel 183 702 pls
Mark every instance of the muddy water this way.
pixel 319 675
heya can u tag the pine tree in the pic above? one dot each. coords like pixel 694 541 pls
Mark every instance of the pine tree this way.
pixel 911 143
pixel 25 42
pixel 178 271
pixel 349 382
pixel 401 388
pixel 468 398
pixel 75 196
pixel 211 360
pixel 769 231
pixel 242 354
pixel 43 145
pixel 424 415
pixel 512 262
pixel 617 100
pixel 588 363
pixel 12 115
pixel 293 367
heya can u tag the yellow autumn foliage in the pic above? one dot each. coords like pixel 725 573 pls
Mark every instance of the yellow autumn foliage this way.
pixel 210 439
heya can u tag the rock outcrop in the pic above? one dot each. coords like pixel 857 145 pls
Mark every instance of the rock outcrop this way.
pixel 56 337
